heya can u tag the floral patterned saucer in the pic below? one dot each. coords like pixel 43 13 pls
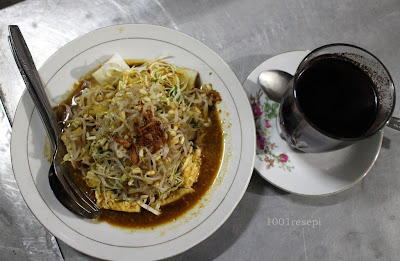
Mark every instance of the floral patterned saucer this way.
pixel 292 170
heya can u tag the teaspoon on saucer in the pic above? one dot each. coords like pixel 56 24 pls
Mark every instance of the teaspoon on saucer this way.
pixel 274 83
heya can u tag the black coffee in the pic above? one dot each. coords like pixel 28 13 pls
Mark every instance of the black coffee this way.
pixel 337 97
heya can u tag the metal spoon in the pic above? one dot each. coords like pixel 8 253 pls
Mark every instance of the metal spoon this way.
pixel 274 83
pixel 64 188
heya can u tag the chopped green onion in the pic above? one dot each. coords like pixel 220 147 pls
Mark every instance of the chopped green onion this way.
pixel 195 125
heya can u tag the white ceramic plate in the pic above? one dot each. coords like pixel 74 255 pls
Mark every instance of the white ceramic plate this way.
pixel 297 172
pixel 100 239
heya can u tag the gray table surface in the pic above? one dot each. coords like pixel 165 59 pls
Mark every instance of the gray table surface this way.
pixel 362 223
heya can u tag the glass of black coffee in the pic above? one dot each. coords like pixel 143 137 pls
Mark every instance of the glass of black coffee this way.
pixel 339 95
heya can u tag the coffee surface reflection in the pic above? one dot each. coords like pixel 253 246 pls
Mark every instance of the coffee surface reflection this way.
pixel 337 97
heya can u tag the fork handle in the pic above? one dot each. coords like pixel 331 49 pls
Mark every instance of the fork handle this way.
pixel 33 83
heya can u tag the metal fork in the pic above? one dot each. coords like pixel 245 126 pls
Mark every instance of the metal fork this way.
pixel 64 188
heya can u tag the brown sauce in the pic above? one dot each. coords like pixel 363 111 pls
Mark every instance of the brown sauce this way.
pixel 212 149
pixel 211 158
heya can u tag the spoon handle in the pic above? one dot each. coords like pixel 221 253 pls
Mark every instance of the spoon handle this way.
pixel 394 123
pixel 27 68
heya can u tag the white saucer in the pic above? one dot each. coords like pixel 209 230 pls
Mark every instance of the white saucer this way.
pixel 294 171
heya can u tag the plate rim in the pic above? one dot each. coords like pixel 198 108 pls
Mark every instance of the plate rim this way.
pixel 361 177
pixel 245 165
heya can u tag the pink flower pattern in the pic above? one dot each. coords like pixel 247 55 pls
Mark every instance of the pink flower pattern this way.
pixel 263 115
pixel 283 157
pixel 267 124
pixel 261 141
pixel 256 109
